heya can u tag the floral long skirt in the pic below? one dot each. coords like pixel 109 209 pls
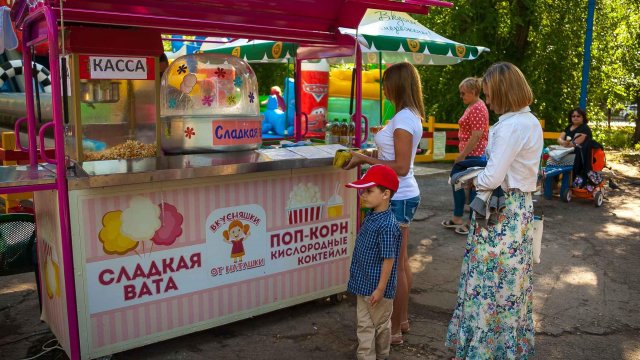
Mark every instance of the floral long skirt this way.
pixel 493 316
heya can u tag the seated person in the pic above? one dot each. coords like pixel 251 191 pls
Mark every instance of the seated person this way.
pixel 577 131
pixel 574 135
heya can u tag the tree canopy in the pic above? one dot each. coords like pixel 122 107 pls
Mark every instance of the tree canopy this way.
pixel 545 39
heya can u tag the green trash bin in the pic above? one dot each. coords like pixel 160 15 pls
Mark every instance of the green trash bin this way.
pixel 17 243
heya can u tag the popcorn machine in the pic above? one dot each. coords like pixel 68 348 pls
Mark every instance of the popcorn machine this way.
pixel 112 95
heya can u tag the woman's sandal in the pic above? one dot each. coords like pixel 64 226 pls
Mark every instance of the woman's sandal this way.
pixel 405 327
pixel 462 229
pixel 449 224
pixel 397 339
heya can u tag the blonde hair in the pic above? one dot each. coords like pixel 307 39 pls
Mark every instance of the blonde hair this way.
pixel 507 88
pixel 401 82
pixel 472 84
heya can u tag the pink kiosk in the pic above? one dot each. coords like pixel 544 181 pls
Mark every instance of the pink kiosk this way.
pixel 159 215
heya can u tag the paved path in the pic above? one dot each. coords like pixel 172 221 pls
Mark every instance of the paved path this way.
pixel 587 294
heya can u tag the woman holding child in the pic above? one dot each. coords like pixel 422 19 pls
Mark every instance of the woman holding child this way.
pixel 397 143
pixel 493 315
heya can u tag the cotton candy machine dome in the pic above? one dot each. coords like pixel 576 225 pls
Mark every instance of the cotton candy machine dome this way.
pixel 209 102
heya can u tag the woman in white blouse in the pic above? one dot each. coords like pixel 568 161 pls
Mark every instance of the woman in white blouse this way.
pixel 493 315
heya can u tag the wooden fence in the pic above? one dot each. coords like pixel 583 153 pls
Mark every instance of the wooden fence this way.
pixel 451 131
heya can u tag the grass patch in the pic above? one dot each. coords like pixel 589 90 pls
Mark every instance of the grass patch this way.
pixel 618 137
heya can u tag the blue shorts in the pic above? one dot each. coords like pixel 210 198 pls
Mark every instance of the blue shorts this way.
pixel 405 210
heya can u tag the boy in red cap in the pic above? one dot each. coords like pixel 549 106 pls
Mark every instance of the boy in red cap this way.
pixel 372 275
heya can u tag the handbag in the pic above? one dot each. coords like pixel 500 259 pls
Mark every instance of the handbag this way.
pixel 560 156
pixel 538 224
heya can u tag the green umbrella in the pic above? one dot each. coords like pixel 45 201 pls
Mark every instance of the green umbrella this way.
pixel 396 36
pixel 385 36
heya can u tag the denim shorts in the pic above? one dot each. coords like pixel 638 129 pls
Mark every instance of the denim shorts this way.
pixel 405 210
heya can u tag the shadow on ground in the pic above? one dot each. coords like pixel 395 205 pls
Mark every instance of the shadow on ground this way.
pixel 587 293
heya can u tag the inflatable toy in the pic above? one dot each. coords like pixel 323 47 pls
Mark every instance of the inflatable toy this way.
pixel 14 68
pixel 290 100
pixel 275 120
pixel 340 84
pixel 313 99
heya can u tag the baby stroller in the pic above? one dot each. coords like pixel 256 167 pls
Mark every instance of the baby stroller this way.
pixel 588 182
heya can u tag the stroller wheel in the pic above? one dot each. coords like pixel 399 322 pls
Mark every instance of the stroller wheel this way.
pixel 566 195
pixel 598 198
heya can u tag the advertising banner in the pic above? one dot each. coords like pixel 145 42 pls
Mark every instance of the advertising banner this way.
pixel 196 254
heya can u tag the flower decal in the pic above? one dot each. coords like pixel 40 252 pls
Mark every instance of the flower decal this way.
pixel 172 103
pixel 207 100
pixel 237 81
pixel 189 132
pixel 251 97
pixel 182 69
pixel 231 100
pixel 220 73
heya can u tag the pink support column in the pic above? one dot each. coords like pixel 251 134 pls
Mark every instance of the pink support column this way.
pixel 61 177
pixel 357 117
pixel 298 93
pixel 34 19
pixel 29 101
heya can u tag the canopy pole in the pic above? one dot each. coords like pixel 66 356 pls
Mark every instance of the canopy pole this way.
pixel 297 84
pixel 380 77
pixel 586 63
pixel 357 117
pixel 286 100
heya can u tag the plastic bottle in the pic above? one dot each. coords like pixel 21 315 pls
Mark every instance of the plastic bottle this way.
pixel 328 137
pixel 352 132
pixel 335 131
pixel 344 133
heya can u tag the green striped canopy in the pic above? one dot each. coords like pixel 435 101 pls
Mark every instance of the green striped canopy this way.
pixel 384 37
pixel 255 50
pixel 396 36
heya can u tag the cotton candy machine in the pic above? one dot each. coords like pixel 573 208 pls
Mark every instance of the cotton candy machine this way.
pixel 209 102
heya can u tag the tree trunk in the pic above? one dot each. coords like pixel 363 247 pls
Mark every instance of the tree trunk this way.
pixel 523 12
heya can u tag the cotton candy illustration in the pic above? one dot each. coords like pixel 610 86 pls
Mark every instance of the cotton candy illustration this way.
pixel 113 241
pixel 171 227
pixel 141 220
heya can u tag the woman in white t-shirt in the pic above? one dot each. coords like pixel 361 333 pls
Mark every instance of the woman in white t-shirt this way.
pixel 397 143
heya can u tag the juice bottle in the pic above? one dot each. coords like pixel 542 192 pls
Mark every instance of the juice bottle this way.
pixel 335 131
pixel 344 133
pixel 327 133
pixel 352 132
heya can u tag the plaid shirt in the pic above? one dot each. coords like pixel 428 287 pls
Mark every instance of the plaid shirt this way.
pixel 379 238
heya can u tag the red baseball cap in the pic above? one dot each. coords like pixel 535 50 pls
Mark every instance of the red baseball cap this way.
pixel 377 175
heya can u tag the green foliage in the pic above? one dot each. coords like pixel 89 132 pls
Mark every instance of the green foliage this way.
pixel 614 137
pixel 271 74
pixel 545 39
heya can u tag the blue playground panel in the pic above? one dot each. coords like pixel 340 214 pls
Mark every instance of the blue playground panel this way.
pixel 551 172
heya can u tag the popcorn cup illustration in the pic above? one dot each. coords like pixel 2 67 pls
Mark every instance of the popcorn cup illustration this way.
pixel 304 204
pixel 308 213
